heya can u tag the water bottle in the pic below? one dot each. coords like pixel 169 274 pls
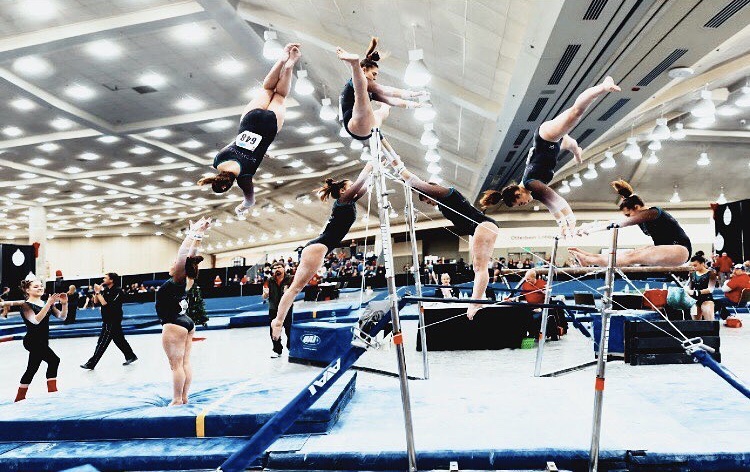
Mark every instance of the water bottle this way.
pixel 333 316
pixel 647 287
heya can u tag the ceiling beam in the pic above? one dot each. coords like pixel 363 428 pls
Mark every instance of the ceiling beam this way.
pixel 47 138
pixel 59 37
pixel 314 34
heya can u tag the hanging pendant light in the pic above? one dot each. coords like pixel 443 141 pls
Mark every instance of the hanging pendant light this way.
pixel 272 49
pixel 675 196
pixel 705 106
pixel 654 145
pixel 591 173
pixel 631 149
pixel 565 187
pixel 356 145
pixel 703 160
pixel 327 112
pixel 661 130
pixel 679 131
pixel 343 133
pixel 434 168
pixel 429 138
pixel 303 85
pixel 744 99
pixel 609 161
pixel 365 156
pixel 652 158
pixel 576 182
pixel 722 198
pixel 432 155
pixel 426 112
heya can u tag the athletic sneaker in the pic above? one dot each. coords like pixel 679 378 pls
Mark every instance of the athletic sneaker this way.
pixel 130 361
pixel 278 348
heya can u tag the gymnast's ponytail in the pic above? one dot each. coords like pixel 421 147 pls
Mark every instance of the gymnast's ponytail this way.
pixel 331 189
pixel 629 199
pixel 220 182
pixel 508 195
pixel 25 285
pixel 371 56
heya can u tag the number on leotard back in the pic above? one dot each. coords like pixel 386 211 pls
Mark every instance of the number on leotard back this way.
pixel 248 140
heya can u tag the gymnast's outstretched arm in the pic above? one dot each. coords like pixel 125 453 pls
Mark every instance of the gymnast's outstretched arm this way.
pixel 358 187
pixel 189 246
pixel 431 190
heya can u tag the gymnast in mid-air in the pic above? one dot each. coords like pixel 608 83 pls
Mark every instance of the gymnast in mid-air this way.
pixel 549 139
pixel 345 194
pixel 261 120
pixel 362 89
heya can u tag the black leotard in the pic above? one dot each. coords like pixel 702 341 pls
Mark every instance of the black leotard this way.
pixel 36 341
pixel 464 216
pixel 36 334
pixel 257 131
pixel 666 231
pixel 343 216
pixel 346 106
pixel 700 282
pixel 542 160
pixel 169 308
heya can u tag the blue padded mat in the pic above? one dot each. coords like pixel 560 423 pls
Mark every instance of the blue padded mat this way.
pixel 232 409
pixel 535 459
pixel 139 454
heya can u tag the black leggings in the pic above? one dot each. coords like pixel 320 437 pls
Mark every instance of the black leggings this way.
pixel 37 354
pixel 111 331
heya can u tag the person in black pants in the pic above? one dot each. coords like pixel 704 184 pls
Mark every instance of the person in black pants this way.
pixel 273 290
pixel 35 314
pixel 109 296
pixel 72 305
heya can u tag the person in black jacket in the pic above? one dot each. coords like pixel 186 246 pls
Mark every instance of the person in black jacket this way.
pixel 110 296
pixel 72 305
pixel 273 290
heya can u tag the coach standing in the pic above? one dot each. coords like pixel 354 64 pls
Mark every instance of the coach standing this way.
pixel 109 296
pixel 273 289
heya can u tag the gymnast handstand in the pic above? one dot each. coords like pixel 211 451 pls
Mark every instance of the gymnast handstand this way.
pixel 343 215
pixel 261 120
pixel 466 219
pixel 549 139
pixel 356 111
pixel 671 245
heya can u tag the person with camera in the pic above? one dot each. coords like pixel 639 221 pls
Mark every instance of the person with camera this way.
pixel 110 296
pixel 273 289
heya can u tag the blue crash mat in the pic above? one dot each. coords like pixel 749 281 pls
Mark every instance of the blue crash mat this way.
pixel 228 408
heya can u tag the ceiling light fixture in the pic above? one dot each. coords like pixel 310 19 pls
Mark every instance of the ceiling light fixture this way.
pixel 189 103
pixel 230 66
pixel 33 66
pixel 48 147
pixel 576 182
pixel 722 200
pixel 705 106
pixel 609 160
pixel 327 112
pixel 416 74
pixel 191 33
pixel 104 49
pixel 432 155
pixel 12 131
pixel 429 138
pixel 80 92
pixel 23 104
pixel 272 48
pixel 426 112
pixel 703 160
pixel 675 196
pixel 591 172
pixel 434 168
pixel 356 145
pixel 303 85
pixel 654 145
pixel 661 130
pixel 652 158
pixel 565 187
pixel 679 131
pixel 159 133
pixel 108 139
pixel 152 79
pixel 631 149
pixel 744 99
pixel 61 124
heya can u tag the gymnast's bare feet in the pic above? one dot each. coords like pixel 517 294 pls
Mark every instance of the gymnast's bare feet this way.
pixel 586 258
pixel 473 309
pixel 276 327
pixel 348 57
pixel 609 85
pixel 176 402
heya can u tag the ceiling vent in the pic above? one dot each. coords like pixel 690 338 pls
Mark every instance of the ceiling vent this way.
pixel 613 109
pixel 144 89
pixel 662 66
pixel 510 156
pixel 726 13
pixel 585 135
pixel 521 136
pixel 562 66
pixel 537 109
pixel 594 9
